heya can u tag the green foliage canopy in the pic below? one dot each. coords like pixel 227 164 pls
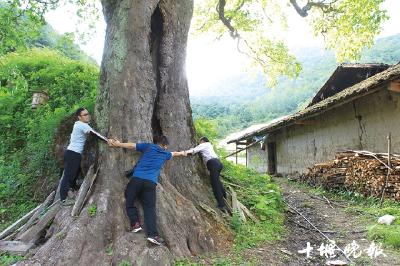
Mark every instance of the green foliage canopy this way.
pixel 16 29
pixel 22 26
pixel 347 26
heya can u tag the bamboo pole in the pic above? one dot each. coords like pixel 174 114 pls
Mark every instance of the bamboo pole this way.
pixel 389 139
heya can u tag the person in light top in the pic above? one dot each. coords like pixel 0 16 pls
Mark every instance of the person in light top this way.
pixel 73 153
pixel 214 165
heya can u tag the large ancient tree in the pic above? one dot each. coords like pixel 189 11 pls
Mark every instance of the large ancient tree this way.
pixel 143 91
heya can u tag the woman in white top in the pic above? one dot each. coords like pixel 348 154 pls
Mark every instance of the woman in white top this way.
pixel 215 166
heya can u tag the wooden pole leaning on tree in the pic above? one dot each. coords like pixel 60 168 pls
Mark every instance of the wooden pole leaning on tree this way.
pixel 389 140
pixel 36 215
pixel 84 191
pixel 33 233
pixel 9 230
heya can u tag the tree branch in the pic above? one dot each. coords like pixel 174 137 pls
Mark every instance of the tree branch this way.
pixel 227 21
pixel 303 11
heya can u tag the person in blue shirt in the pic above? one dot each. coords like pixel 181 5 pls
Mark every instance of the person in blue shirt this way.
pixel 143 182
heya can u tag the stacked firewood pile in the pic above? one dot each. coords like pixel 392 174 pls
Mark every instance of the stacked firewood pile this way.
pixel 361 171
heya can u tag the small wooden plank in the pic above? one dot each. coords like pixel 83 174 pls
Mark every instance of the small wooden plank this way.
pixel 57 197
pixel 9 230
pixel 394 86
pixel 33 233
pixel 212 212
pixel 247 212
pixel 82 192
pixel 15 247
pixel 90 189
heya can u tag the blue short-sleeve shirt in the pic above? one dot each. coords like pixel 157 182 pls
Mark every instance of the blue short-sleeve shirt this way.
pixel 150 164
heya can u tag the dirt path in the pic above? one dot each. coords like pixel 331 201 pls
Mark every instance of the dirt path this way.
pixel 333 220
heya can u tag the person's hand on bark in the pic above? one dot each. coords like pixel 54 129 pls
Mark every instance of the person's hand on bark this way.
pixel 177 153
pixel 113 142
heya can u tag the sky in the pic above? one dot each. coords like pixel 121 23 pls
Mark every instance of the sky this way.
pixel 226 60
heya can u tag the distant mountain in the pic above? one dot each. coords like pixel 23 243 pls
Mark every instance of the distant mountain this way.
pixel 242 100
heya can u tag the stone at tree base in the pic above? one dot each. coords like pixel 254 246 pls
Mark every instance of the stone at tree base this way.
pixel 386 219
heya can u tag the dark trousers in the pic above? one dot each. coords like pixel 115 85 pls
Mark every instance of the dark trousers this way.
pixel 215 167
pixel 72 166
pixel 145 191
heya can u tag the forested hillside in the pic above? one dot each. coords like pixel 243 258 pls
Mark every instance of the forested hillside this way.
pixel 250 102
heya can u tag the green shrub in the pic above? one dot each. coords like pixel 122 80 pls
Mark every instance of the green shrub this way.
pixel 8 259
pixel 27 135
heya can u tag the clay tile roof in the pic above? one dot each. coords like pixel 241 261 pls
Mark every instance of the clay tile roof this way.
pixel 345 76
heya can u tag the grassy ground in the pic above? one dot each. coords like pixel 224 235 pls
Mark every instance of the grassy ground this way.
pixel 264 199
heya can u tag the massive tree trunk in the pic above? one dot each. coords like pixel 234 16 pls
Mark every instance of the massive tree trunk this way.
pixel 143 91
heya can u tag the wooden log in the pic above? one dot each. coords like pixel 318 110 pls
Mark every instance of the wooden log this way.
pixel 90 188
pixel 247 212
pixel 57 197
pixel 9 230
pixel 36 215
pixel 15 247
pixel 324 164
pixel 212 212
pixel 33 233
pixel 83 191
pixel 17 233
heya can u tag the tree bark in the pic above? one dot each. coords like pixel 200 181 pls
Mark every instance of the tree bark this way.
pixel 143 91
